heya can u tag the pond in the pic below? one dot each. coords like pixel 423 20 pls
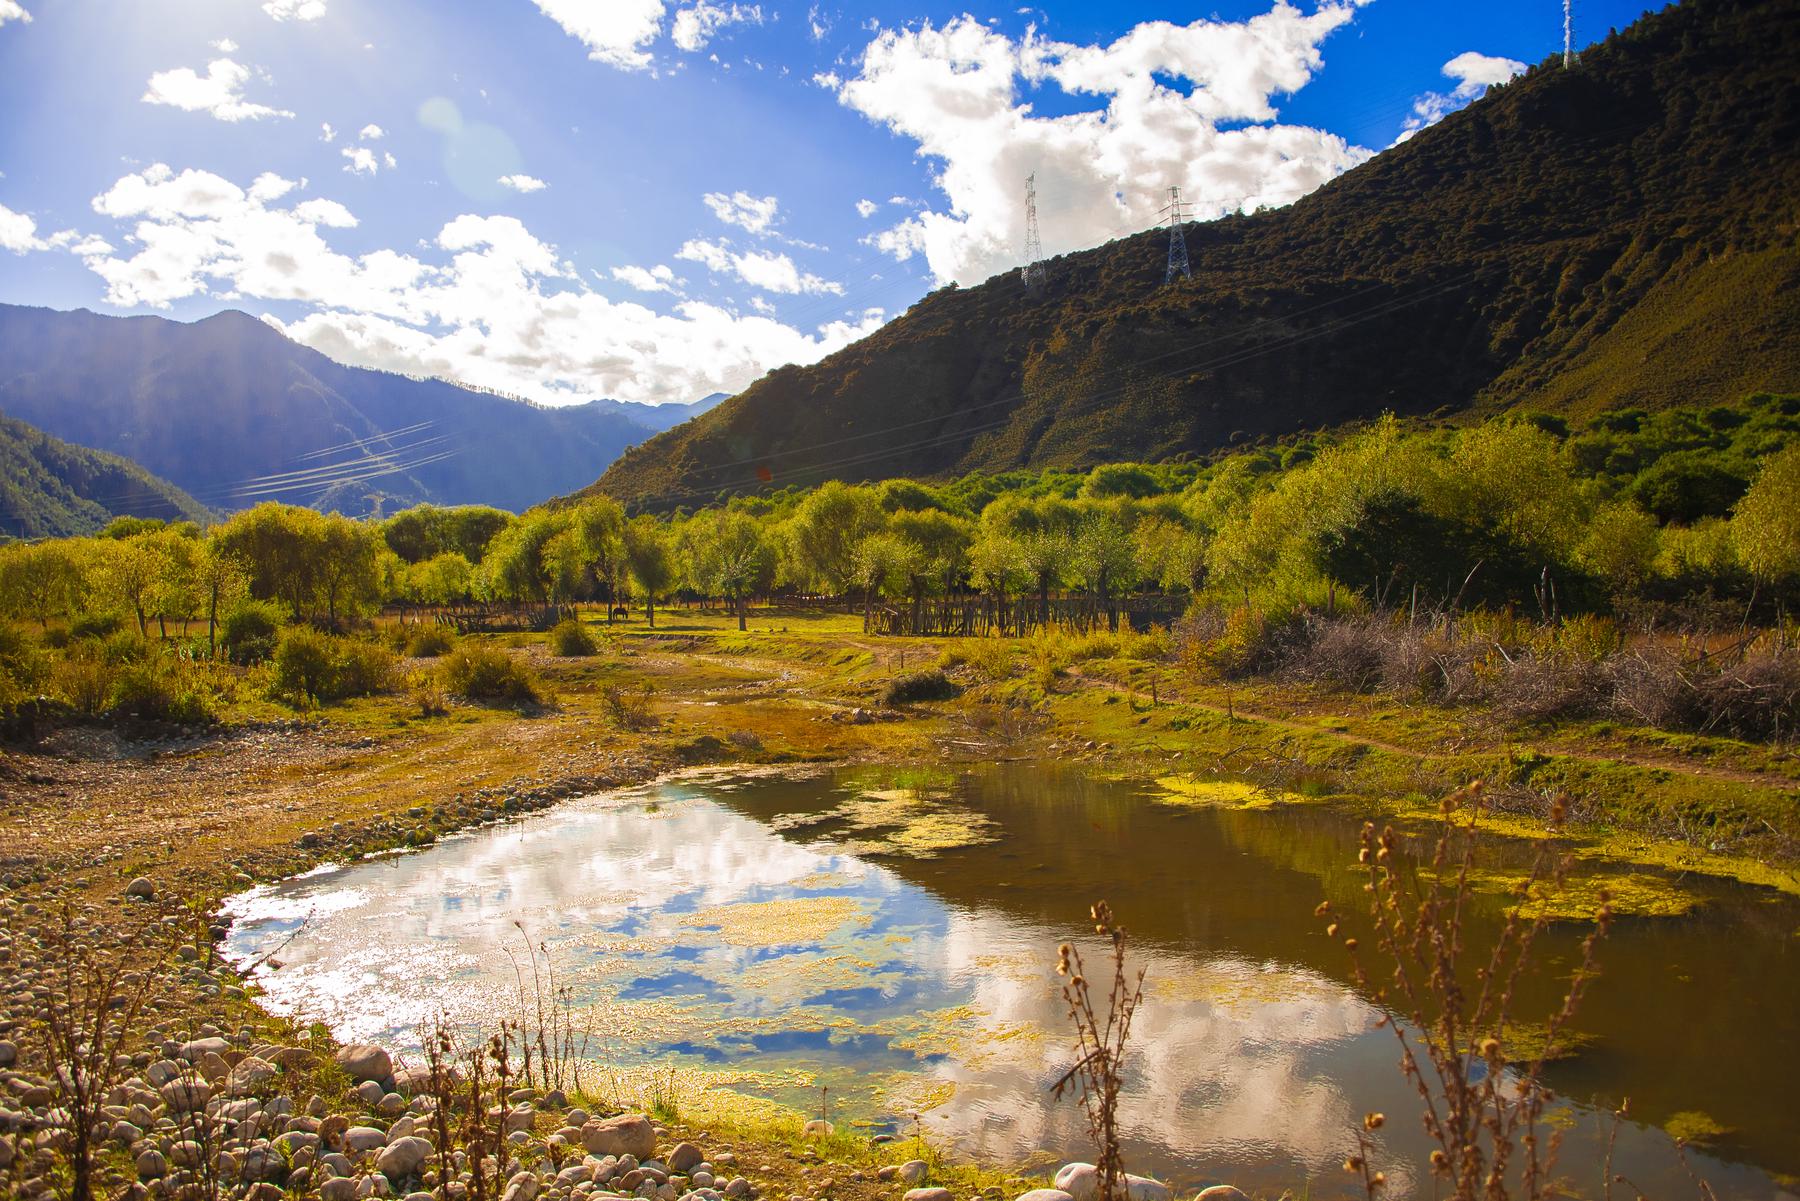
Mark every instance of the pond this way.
pixel 891 935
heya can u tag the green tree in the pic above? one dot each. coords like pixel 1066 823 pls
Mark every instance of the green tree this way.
pixel 1765 526
pixel 827 528
pixel 600 524
pixel 41 579
pixel 649 560
pixel 345 563
pixel 734 559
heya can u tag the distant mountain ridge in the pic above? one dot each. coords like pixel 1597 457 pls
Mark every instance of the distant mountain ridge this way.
pixel 52 489
pixel 1622 232
pixel 234 412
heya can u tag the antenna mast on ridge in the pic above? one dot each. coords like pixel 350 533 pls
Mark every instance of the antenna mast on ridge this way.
pixel 1033 270
pixel 1568 33
pixel 1178 259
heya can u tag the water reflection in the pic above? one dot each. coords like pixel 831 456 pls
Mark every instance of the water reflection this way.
pixel 720 923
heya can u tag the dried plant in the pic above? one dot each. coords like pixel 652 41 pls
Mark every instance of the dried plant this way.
pixel 91 1007
pixel 1100 1039
pixel 1485 1119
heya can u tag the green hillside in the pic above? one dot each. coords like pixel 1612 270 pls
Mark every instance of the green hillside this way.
pixel 1619 233
pixel 52 488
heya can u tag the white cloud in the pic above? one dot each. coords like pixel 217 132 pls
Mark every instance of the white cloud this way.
pixel 866 208
pixel 364 161
pixel 646 279
pixel 817 23
pixel 371 132
pixel 1103 172
pixel 295 10
pixel 523 183
pixel 614 31
pixel 326 132
pixel 694 27
pixel 485 301
pixel 768 270
pixel 18 233
pixel 1474 73
pixel 225 46
pixel 743 210
pixel 11 10
pixel 219 92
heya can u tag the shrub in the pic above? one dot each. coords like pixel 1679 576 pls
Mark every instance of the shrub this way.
pixel 249 632
pixel 628 711
pixel 932 685
pixel 361 668
pixel 310 666
pixel 122 647
pixel 571 640
pixel 429 642
pixel 483 673
pixel 85 682
pixel 302 669
pixel 162 688
pixel 96 625
pixel 23 669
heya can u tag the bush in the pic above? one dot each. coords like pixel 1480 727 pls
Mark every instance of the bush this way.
pixel 162 688
pixel 932 685
pixel 85 682
pixel 249 632
pixel 429 642
pixel 483 673
pixel 122 647
pixel 571 640
pixel 361 668
pixel 628 711
pixel 302 669
pixel 96 625
pixel 315 667
pixel 23 669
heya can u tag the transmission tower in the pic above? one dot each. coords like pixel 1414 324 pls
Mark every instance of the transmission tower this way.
pixel 1033 270
pixel 1568 33
pixel 1178 260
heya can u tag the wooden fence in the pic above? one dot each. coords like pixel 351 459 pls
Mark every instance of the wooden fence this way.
pixel 983 616
pixel 502 619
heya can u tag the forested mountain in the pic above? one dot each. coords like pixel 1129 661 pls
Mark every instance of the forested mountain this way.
pixel 49 488
pixel 234 412
pixel 1622 232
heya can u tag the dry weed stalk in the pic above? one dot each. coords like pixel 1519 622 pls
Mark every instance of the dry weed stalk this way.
pixel 1100 1044
pixel 1485 1123
pixel 95 997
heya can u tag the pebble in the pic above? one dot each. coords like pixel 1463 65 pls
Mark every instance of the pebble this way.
pixel 365 1061
pixel 1221 1192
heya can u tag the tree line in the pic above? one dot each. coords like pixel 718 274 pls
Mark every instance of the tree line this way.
pixel 1514 512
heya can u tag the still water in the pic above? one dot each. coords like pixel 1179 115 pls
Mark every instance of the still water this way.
pixel 893 937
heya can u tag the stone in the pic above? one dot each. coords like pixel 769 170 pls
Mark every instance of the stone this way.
pixel 331 1130
pixel 685 1157
pixel 702 1180
pixel 365 1061
pixel 213 1068
pixel 739 1187
pixel 371 1092
pixel 294 1059
pixel 262 1163
pixel 339 1188
pixel 887 1172
pixel 197 1049
pixel 185 1096
pixel 1142 1188
pixel 363 1138
pixel 1045 1194
pixel 928 1194
pixel 187 1154
pixel 627 1134
pixel 522 1187
pixel 575 1174
pixel 151 1165
pixel 265 1192
pixel 9 1053
pixel 914 1170
pixel 817 1128
pixel 1221 1192
pixel 403 1157
pixel 142 889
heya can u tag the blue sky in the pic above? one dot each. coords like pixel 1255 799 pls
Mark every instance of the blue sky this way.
pixel 656 199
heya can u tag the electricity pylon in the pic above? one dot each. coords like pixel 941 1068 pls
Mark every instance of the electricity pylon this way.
pixel 1033 270
pixel 1178 259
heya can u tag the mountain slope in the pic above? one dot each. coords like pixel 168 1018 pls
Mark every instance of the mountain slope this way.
pixel 235 412
pixel 1618 233
pixel 50 488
